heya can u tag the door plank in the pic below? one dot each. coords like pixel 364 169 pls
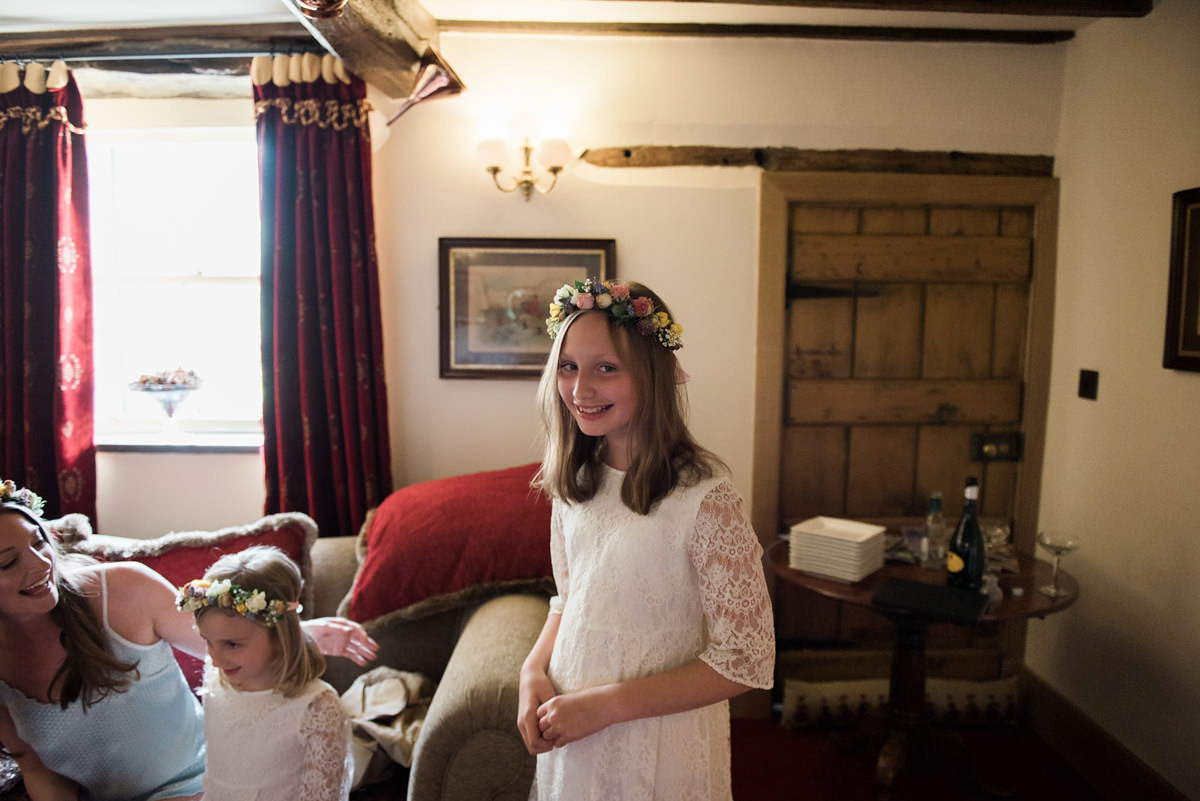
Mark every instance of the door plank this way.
pixel 895 220
pixel 964 221
pixel 887 332
pixel 1008 346
pixel 941 465
pixel 831 257
pixel 820 338
pixel 914 401
pixel 879 480
pixel 958 330
pixel 814 472
pixel 807 217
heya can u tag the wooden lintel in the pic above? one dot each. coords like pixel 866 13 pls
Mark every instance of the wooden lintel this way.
pixel 211 49
pixel 1067 8
pixel 791 159
pixel 871 33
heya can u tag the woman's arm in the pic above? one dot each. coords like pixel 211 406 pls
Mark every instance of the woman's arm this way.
pixel 41 783
pixel 142 608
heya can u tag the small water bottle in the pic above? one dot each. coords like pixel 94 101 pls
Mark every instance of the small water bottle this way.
pixel 936 535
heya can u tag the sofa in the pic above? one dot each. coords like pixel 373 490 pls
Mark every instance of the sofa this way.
pixel 450 577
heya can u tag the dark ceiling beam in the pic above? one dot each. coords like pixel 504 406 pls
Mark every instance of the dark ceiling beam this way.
pixel 877 33
pixel 201 49
pixel 1064 8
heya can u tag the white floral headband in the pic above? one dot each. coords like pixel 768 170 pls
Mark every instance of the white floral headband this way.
pixel 637 313
pixel 251 604
pixel 21 497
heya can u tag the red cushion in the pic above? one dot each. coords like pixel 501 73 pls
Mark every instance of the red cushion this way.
pixel 183 556
pixel 438 544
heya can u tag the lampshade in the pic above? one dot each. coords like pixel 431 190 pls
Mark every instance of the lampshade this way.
pixel 554 153
pixel 492 153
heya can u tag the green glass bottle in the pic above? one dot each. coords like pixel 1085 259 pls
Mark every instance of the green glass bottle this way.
pixel 965 556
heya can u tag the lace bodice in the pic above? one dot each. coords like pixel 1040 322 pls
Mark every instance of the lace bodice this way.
pixel 640 594
pixel 265 747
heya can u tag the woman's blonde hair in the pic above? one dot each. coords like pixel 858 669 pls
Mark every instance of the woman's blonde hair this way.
pixel 666 455
pixel 90 671
pixel 269 570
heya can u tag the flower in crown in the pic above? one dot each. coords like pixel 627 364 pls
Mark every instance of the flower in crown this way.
pixel 21 497
pixel 251 604
pixel 636 312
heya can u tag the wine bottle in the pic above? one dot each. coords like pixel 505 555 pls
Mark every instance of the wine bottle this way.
pixel 935 533
pixel 966 557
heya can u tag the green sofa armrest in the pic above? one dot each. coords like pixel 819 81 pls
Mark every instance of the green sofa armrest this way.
pixel 469 747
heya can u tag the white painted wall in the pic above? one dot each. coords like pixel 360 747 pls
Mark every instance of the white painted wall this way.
pixel 1124 470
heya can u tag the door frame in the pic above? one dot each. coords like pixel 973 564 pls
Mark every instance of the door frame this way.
pixel 777 191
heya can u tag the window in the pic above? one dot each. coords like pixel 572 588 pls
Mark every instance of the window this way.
pixel 175 260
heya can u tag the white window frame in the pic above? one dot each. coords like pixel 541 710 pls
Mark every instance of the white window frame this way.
pixel 208 418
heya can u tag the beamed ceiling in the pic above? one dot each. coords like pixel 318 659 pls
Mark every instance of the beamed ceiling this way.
pixel 387 42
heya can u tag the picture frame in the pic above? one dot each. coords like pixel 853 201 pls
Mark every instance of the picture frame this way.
pixel 495 296
pixel 1181 350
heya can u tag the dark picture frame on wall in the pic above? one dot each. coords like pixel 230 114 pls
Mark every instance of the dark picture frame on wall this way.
pixel 1182 348
pixel 495 294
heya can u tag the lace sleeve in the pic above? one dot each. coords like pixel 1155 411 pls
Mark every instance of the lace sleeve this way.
pixel 558 559
pixel 325 731
pixel 733 591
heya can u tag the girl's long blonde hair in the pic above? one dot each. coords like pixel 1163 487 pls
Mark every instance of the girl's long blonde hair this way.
pixel 666 455
pixel 268 569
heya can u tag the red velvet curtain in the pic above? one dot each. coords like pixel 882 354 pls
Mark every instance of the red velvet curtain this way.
pixel 324 400
pixel 45 291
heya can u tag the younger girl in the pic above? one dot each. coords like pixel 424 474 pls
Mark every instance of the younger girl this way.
pixel 662 611
pixel 274 730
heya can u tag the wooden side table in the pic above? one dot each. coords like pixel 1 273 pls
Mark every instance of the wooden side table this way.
pixel 907 717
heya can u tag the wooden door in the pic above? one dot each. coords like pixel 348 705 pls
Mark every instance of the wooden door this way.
pixel 913 314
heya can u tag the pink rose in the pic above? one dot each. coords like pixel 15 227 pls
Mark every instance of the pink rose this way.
pixel 584 300
pixel 642 306
pixel 620 291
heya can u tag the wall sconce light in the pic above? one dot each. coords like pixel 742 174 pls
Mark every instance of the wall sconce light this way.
pixel 553 154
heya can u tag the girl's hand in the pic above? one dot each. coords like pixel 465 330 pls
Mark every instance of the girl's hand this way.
pixel 535 690
pixel 337 636
pixel 567 718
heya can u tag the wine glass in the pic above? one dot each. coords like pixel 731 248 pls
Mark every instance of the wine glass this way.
pixel 1059 544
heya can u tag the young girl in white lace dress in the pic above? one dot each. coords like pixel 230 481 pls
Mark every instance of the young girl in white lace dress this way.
pixel 273 730
pixel 662 612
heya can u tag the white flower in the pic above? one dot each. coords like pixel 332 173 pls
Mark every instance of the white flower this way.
pixel 256 602
pixel 218 588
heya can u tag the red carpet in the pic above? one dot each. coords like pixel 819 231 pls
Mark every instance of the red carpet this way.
pixel 772 764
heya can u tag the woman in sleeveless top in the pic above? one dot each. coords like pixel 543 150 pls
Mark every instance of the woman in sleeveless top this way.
pixel 92 703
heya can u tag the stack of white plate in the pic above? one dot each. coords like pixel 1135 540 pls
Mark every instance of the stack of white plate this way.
pixel 841 549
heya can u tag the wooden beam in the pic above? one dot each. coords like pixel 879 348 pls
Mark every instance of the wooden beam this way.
pixel 205 49
pixel 1065 8
pixel 873 33
pixel 791 159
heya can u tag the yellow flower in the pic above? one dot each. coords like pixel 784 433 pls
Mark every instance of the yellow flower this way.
pixel 661 320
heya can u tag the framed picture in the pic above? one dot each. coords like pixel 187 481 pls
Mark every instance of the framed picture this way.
pixel 1182 349
pixel 495 295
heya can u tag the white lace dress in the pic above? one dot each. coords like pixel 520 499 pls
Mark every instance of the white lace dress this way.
pixel 265 747
pixel 640 594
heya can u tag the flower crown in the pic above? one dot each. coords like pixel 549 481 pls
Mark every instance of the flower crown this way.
pixel 21 497
pixel 632 312
pixel 251 604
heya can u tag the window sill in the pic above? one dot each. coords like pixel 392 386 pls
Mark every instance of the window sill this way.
pixel 179 442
